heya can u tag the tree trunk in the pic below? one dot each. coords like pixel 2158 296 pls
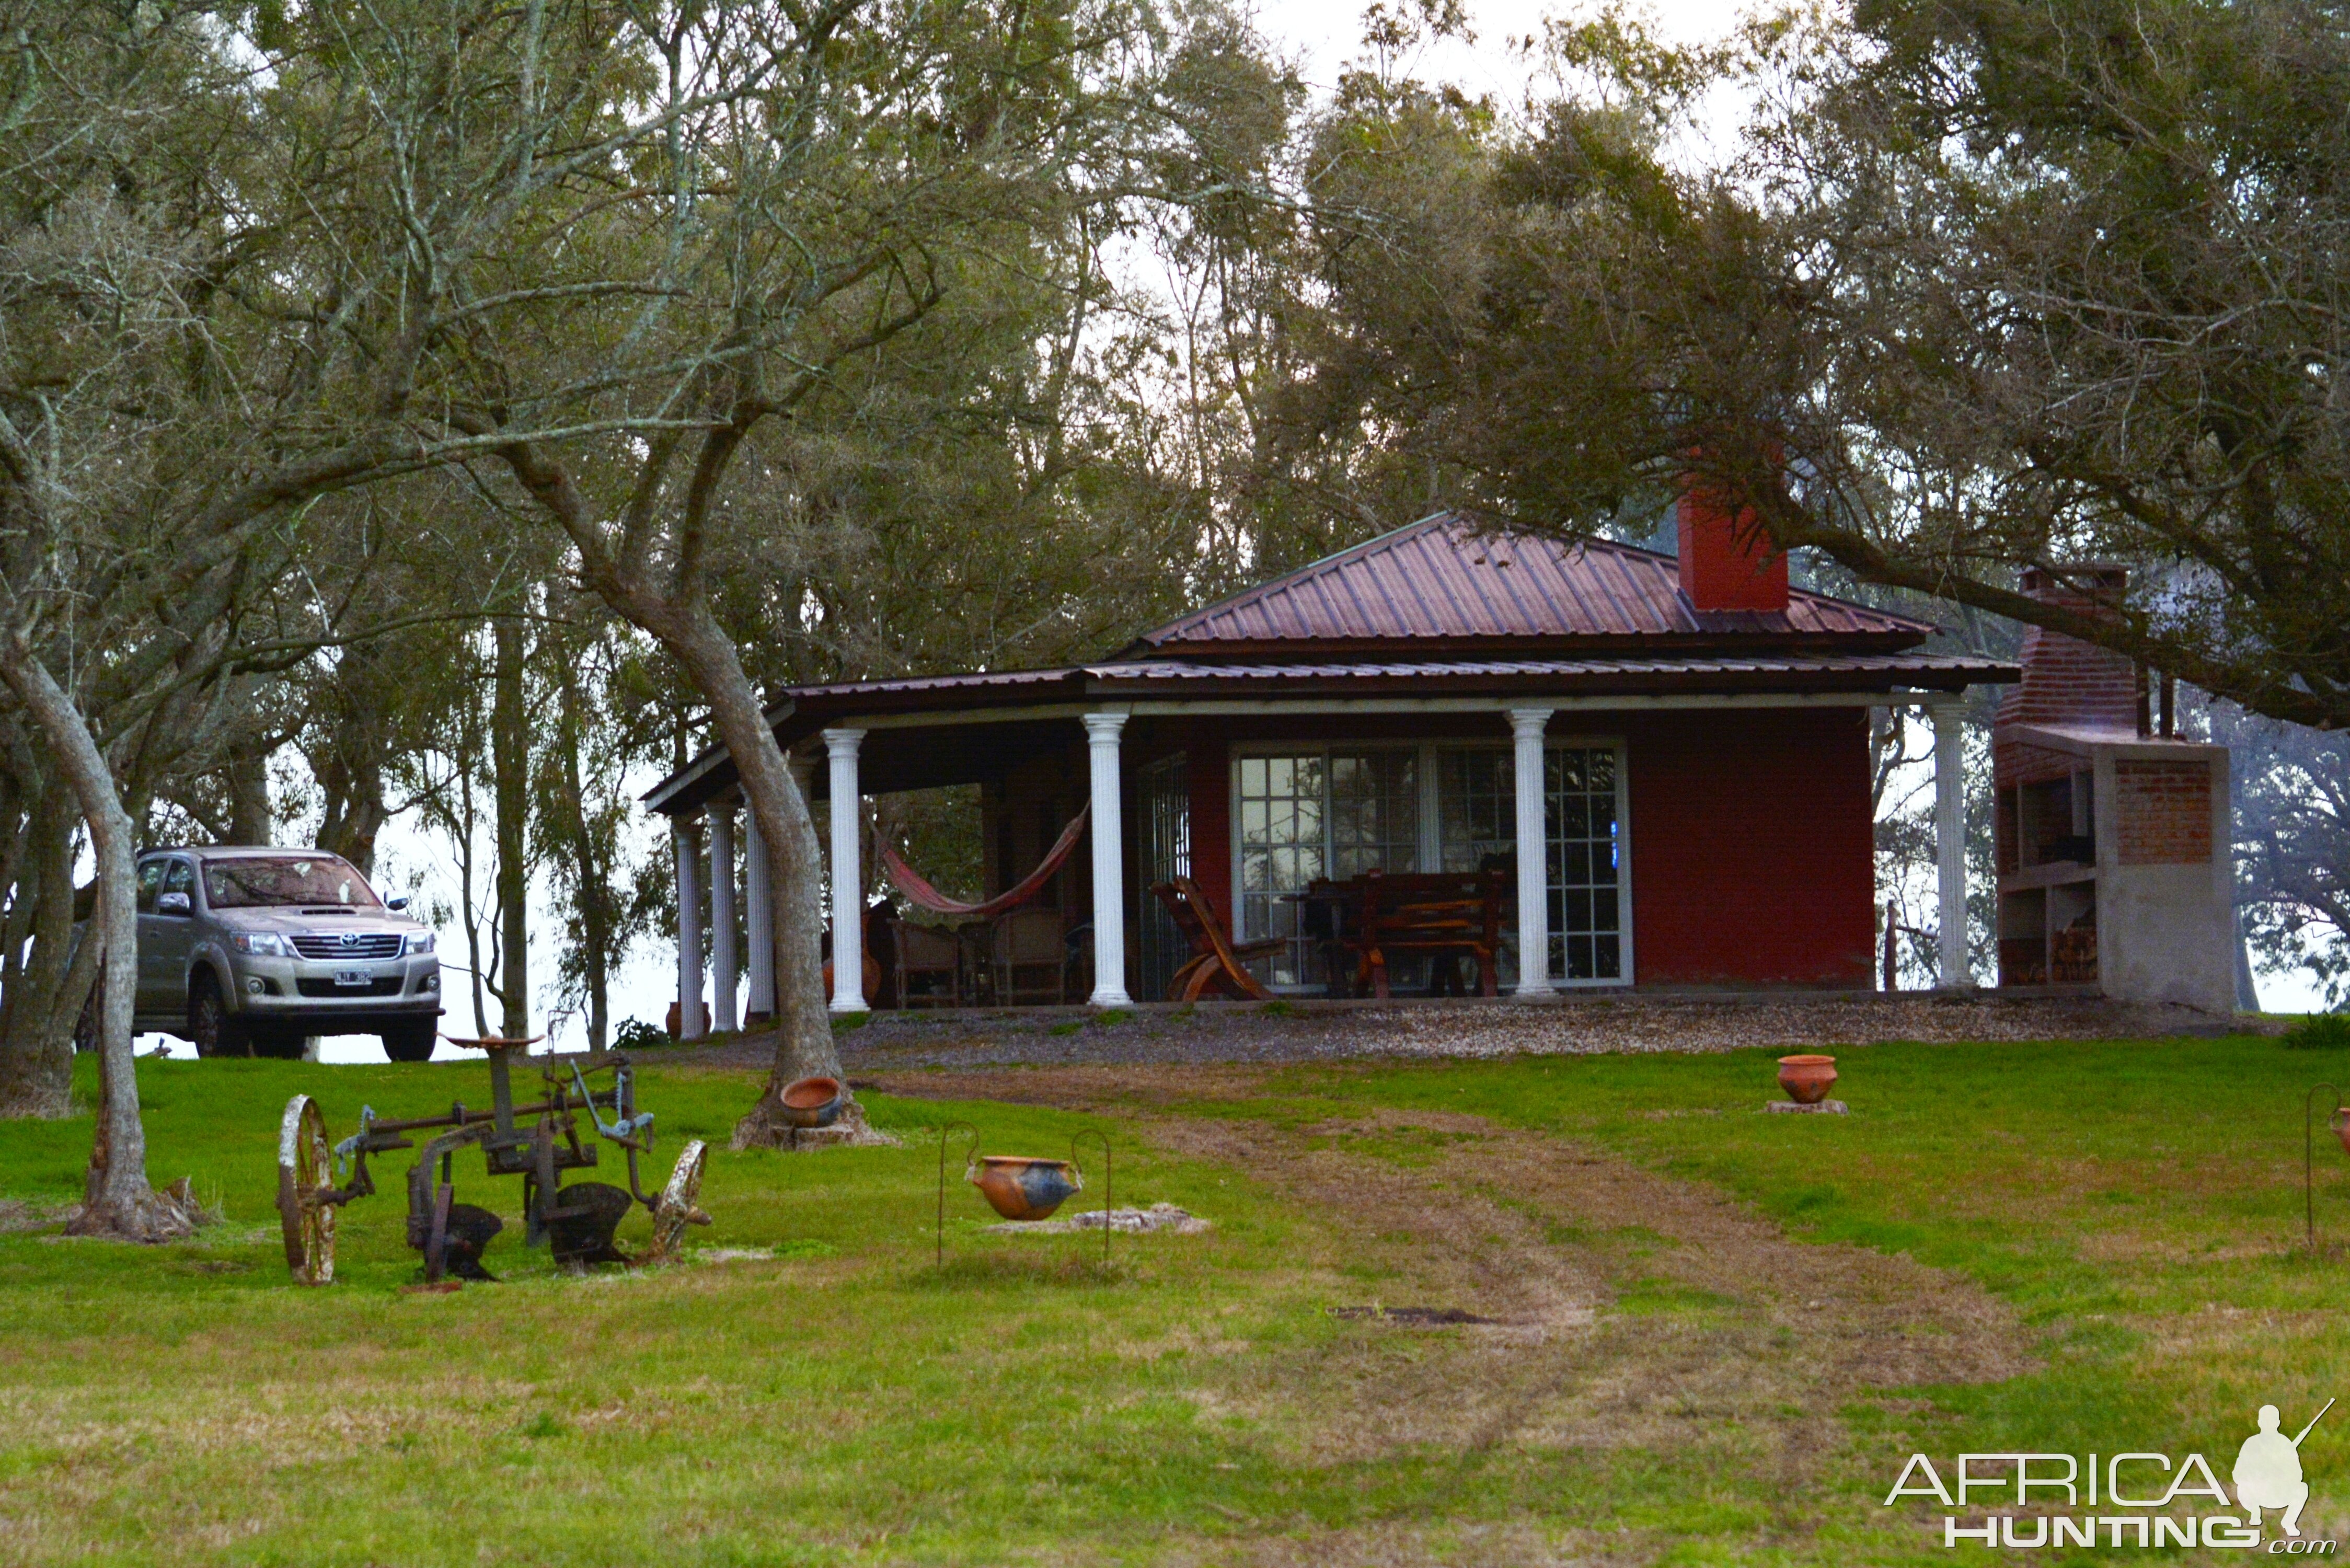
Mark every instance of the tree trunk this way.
pixel 250 820
pixel 688 631
pixel 592 884
pixel 36 1053
pixel 117 1198
pixel 510 769
pixel 803 1045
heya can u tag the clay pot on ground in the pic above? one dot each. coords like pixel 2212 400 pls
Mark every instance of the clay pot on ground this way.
pixel 870 969
pixel 1806 1079
pixel 812 1102
pixel 1019 1186
pixel 2341 1126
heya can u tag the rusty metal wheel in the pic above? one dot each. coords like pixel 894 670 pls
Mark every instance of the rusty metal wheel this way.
pixel 680 1204
pixel 305 1174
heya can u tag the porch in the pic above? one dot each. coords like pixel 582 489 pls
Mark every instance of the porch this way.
pixel 1690 843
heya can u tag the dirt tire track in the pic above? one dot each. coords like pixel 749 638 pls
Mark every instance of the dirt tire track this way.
pixel 1759 1341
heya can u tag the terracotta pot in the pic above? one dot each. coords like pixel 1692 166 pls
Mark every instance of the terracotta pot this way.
pixel 812 1102
pixel 1806 1079
pixel 870 969
pixel 675 1022
pixel 2341 1126
pixel 1022 1188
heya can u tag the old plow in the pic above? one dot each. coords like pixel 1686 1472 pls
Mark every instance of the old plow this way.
pixel 539 1142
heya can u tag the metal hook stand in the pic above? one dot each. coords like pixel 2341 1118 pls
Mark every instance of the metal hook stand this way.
pixel 2309 1156
pixel 939 1259
pixel 1109 1213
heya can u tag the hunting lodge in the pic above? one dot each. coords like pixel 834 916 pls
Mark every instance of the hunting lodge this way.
pixel 1315 787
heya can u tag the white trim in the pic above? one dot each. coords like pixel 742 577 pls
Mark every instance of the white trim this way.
pixel 1280 706
pixel 848 814
pixel 686 851
pixel 1107 830
pixel 1957 973
pixel 1164 707
pixel 725 978
pixel 1529 768
pixel 758 919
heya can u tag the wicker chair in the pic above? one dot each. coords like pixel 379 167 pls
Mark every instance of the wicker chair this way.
pixel 930 966
pixel 1028 954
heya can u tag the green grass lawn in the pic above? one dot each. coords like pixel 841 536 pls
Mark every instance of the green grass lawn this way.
pixel 809 1389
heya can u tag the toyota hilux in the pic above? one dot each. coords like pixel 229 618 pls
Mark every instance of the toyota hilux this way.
pixel 249 951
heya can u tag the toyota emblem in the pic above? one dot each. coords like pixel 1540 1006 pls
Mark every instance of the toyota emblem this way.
pixel 350 939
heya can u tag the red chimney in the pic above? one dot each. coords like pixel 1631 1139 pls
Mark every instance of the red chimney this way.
pixel 2066 680
pixel 1728 562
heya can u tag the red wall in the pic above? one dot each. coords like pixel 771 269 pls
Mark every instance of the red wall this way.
pixel 1752 848
pixel 1751 843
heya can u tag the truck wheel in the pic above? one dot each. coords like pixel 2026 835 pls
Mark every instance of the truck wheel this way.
pixel 216 1029
pixel 410 1042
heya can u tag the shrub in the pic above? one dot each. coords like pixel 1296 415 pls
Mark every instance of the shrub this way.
pixel 636 1035
pixel 2320 1031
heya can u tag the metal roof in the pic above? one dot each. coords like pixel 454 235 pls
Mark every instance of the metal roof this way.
pixel 1443 580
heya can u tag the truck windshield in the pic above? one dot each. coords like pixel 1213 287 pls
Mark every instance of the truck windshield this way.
pixel 243 884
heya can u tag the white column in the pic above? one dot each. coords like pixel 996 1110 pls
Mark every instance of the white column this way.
pixel 1527 726
pixel 1950 843
pixel 689 930
pixel 1107 831
pixel 759 919
pixel 724 975
pixel 848 878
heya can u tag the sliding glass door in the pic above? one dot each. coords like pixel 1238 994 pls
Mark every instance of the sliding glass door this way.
pixel 1302 814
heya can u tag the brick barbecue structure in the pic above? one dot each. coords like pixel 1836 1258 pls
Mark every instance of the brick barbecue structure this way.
pixel 1690 736
pixel 2114 872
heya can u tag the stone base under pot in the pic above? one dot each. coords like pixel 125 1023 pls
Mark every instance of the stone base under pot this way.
pixel 1822 1108
pixel 847 1131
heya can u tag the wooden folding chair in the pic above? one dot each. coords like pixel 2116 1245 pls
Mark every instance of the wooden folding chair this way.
pixel 1216 959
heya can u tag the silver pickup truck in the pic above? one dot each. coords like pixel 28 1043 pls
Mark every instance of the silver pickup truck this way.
pixel 248 951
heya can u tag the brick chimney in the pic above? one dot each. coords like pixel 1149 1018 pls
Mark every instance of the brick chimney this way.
pixel 2066 680
pixel 1727 561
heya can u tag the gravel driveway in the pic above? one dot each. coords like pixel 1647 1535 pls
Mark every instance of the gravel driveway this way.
pixel 1308 1032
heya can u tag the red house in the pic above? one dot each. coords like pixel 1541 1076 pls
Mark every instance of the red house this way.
pixel 1693 735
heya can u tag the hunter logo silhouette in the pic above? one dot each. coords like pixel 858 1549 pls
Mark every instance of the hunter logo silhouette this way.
pixel 2268 1471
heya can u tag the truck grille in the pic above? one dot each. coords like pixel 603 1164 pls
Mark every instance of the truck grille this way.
pixel 389 986
pixel 349 946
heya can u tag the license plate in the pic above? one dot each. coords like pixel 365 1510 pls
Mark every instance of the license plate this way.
pixel 354 977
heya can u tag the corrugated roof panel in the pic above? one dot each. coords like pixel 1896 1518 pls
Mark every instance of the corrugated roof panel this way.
pixel 1441 580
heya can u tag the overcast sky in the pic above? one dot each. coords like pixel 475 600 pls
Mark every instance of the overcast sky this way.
pixel 1324 35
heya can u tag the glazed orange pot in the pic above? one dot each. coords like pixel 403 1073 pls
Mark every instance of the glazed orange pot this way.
pixel 1806 1079
pixel 812 1102
pixel 1019 1186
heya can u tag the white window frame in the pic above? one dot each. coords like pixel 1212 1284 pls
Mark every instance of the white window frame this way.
pixel 1431 843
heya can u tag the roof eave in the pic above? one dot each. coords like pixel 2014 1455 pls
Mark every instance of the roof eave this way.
pixel 1728 645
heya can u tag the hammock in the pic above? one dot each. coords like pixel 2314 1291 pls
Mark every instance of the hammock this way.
pixel 910 883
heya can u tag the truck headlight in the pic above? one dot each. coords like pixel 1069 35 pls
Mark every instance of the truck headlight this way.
pixel 420 944
pixel 261 943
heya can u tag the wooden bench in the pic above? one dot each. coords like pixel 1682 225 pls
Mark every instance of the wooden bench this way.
pixel 1448 915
